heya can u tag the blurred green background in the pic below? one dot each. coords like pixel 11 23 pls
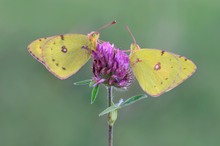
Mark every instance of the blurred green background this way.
pixel 37 109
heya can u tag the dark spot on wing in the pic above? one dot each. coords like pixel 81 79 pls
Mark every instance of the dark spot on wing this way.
pixel 64 49
pixel 162 52
pixel 53 60
pixel 185 59
pixel 62 37
pixel 166 78
pixel 63 68
pixel 161 83
pixel 57 64
pixel 157 66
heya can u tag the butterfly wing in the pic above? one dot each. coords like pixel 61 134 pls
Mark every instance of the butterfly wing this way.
pixel 35 48
pixel 155 70
pixel 187 70
pixel 64 55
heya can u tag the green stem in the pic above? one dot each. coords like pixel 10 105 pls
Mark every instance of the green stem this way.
pixel 110 126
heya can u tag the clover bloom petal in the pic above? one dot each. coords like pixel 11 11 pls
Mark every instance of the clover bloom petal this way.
pixel 111 66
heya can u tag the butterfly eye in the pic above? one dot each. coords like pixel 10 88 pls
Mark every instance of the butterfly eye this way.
pixel 95 34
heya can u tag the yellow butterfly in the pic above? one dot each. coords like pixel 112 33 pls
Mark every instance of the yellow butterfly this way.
pixel 158 71
pixel 64 55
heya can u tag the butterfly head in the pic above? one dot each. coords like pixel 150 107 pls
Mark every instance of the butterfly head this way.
pixel 93 36
pixel 134 48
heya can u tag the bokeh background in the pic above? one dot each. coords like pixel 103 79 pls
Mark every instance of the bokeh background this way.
pixel 37 109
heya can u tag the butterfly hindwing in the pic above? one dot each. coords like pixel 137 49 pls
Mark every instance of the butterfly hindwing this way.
pixel 155 70
pixel 187 69
pixel 35 48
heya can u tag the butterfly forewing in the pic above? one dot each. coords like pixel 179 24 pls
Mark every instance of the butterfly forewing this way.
pixel 64 55
pixel 155 70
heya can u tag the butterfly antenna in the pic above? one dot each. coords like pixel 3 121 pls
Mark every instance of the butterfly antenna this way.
pixel 107 25
pixel 126 51
pixel 131 34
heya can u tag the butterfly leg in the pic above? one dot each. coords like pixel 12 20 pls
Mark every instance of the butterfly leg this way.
pixel 87 48
pixel 137 60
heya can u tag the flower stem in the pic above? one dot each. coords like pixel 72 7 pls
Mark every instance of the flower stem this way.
pixel 110 126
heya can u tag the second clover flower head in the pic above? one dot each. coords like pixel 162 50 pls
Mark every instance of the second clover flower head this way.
pixel 111 66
